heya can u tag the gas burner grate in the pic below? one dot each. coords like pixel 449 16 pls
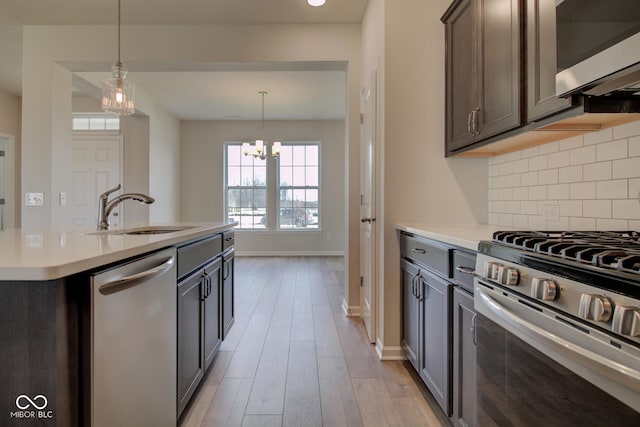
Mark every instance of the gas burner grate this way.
pixel 618 250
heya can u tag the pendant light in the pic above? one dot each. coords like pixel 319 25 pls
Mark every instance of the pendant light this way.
pixel 315 3
pixel 259 150
pixel 117 91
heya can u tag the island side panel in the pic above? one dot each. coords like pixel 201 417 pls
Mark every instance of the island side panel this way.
pixel 36 346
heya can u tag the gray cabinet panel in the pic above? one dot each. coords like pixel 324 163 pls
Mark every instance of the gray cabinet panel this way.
pixel 435 366
pixel 190 362
pixel 211 311
pixel 464 360
pixel 228 292
pixel 411 313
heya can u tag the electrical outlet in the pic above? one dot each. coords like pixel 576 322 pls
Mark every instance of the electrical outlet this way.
pixel 34 199
pixel 63 199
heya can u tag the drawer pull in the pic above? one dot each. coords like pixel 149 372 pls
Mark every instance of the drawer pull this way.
pixel 418 251
pixel 465 270
pixel 228 239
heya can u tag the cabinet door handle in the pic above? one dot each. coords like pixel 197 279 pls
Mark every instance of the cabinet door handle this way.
pixel 418 251
pixel 465 270
pixel 474 329
pixel 469 123
pixel 476 124
pixel 413 286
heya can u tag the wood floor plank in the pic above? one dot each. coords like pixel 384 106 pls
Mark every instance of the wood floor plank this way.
pixel 338 401
pixel 302 398
pixel 267 394
pixel 375 404
pixel 246 358
pixel 229 403
pixel 326 335
pixel 262 421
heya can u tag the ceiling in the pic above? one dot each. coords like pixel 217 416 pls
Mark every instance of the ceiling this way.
pixel 293 93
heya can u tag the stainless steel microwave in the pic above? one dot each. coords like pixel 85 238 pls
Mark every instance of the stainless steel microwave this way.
pixel 598 47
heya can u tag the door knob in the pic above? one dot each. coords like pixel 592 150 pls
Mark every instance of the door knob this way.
pixel 367 220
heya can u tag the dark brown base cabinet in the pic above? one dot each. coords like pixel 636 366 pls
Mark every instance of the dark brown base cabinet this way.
pixel 437 322
pixel 205 310
pixel 464 359
pixel 426 328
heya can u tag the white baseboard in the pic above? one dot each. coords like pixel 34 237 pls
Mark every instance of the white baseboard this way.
pixel 350 311
pixel 288 253
pixel 389 352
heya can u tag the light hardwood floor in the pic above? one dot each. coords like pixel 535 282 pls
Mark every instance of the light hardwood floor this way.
pixel 294 359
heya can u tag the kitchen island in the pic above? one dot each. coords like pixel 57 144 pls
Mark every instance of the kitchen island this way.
pixel 45 276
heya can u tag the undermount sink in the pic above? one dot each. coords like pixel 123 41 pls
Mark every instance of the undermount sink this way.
pixel 147 230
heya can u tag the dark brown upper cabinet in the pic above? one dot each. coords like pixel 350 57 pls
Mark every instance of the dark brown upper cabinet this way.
pixel 542 62
pixel 483 70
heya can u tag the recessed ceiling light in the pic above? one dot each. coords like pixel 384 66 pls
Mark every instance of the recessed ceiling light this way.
pixel 316 2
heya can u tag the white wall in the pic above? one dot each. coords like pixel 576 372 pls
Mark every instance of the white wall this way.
pixel 591 182
pixel 419 184
pixel 202 165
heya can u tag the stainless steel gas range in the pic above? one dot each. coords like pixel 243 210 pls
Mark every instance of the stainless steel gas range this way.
pixel 558 329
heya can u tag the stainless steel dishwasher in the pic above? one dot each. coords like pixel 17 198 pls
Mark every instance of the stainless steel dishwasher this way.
pixel 133 343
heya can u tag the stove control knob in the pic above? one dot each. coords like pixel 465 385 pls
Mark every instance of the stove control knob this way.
pixel 544 289
pixel 626 321
pixel 595 307
pixel 491 270
pixel 508 276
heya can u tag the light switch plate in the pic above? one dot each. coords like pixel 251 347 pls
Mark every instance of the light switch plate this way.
pixel 34 199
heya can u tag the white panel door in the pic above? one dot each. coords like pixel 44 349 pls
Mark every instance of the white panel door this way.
pixel 368 208
pixel 96 168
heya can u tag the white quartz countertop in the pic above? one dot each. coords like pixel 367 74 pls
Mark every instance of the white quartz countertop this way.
pixel 464 235
pixel 52 253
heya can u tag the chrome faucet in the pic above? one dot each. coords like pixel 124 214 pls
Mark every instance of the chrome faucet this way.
pixel 105 206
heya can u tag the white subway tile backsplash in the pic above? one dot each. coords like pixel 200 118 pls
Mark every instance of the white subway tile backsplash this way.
pixel 569 174
pixel 614 189
pixel 558 192
pixel 594 179
pixel 582 155
pixel 612 150
pixel 626 168
pixel 538 192
pixel 558 160
pixel 520 166
pixel 521 193
pixel 582 190
pixel 529 178
pixel 597 171
pixel 597 208
pixel 576 223
pixel 548 176
pixel 570 207
pixel 598 137
pixel 634 188
pixel 537 163
pixel 604 224
pixel 626 209
pixel 529 207
pixel 627 130
pixel 634 146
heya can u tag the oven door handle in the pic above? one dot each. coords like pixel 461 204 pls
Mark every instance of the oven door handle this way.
pixel 547 342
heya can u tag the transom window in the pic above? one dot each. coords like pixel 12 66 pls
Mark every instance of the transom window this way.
pixel 278 194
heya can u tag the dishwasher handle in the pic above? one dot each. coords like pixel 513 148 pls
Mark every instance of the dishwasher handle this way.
pixel 127 282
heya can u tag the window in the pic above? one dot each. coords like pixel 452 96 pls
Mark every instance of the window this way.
pixel 298 186
pixel 246 182
pixel 95 122
pixel 286 198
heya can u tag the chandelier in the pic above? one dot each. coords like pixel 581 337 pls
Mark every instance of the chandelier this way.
pixel 117 91
pixel 260 149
